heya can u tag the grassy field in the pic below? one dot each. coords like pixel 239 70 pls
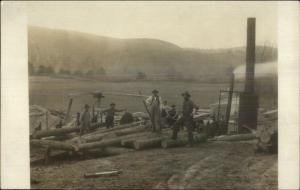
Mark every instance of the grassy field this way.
pixel 52 92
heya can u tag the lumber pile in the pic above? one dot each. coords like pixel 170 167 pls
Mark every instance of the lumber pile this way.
pixel 99 139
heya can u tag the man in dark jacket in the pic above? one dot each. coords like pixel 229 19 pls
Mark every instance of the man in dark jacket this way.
pixel 110 115
pixel 187 118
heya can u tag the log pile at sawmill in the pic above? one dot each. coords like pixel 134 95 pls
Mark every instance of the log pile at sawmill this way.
pixel 134 136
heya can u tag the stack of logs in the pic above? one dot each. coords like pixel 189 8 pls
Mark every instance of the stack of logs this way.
pixel 136 135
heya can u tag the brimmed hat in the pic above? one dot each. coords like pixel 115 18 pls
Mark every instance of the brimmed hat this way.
pixel 112 104
pixel 173 106
pixel 154 91
pixel 186 94
pixel 86 106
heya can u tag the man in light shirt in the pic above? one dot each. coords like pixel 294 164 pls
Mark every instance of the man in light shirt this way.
pixel 154 102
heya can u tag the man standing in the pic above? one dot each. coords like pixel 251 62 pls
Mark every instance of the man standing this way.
pixel 154 102
pixel 85 120
pixel 187 118
pixel 110 115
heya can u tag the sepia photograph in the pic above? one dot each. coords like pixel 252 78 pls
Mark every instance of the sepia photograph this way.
pixel 152 94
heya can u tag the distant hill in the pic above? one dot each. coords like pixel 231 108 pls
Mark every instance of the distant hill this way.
pixel 75 51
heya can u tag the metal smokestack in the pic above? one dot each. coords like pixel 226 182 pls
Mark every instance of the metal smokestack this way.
pixel 248 99
pixel 250 56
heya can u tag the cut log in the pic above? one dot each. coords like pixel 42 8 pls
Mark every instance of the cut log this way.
pixel 61 131
pixel 124 126
pixel 168 143
pixel 129 143
pixel 56 132
pixel 240 137
pixel 114 141
pixel 130 131
pixel 116 128
pixel 111 134
pixel 182 140
pixel 148 143
pixel 52 144
pixel 129 140
pixel 100 144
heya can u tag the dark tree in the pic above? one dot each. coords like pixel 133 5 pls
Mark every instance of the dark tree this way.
pixel 41 70
pixel 49 70
pixel 90 73
pixel 100 71
pixel 78 73
pixel 31 69
pixel 64 72
pixel 141 75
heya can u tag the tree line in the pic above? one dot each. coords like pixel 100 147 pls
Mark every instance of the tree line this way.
pixel 49 70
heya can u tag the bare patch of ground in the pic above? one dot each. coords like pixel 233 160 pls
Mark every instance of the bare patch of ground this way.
pixel 211 165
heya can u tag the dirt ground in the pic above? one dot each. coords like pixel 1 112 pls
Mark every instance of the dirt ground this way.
pixel 211 165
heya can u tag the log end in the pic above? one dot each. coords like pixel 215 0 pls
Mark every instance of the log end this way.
pixel 136 145
pixel 164 144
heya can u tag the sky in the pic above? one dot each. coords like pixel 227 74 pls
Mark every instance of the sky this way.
pixel 194 24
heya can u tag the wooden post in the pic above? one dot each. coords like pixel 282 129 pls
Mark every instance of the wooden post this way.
pixel 228 108
pixel 68 111
pixel 219 107
pixel 46 115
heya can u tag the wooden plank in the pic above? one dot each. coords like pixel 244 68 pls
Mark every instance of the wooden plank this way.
pixel 68 110
pixel 99 174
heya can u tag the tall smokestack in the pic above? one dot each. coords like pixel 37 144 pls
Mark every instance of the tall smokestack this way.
pixel 250 56
pixel 248 99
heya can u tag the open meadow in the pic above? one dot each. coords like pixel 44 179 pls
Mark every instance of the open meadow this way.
pixel 53 92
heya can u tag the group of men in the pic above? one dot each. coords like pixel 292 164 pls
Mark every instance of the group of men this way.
pixel 161 114
pixel 85 118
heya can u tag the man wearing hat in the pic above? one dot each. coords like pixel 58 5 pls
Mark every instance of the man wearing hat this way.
pixel 110 115
pixel 154 102
pixel 187 117
pixel 85 119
